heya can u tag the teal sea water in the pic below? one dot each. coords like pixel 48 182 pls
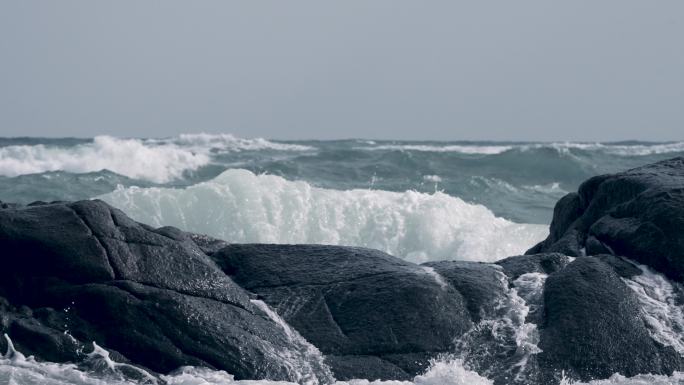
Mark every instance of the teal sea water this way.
pixel 417 200
pixel 519 181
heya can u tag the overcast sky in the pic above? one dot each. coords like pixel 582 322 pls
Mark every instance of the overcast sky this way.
pixel 502 70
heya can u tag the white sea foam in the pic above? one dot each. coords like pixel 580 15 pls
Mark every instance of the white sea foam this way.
pixel 228 143
pixel 493 149
pixel 645 149
pixel 677 378
pixel 305 365
pixel 156 160
pixel 553 188
pixel 239 206
pixel 16 369
pixel 614 149
pixel 504 325
pixel 464 149
pixel 660 311
pixel 129 157
pixel 432 178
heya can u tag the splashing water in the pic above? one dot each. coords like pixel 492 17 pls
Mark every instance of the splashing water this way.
pixel 16 369
pixel 503 342
pixel 309 371
pixel 241 207
pixel 659 309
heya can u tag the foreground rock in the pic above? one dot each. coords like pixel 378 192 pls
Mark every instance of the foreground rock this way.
pixel 638 214
pixel 88 271
pixel 371 314
pixel 592 327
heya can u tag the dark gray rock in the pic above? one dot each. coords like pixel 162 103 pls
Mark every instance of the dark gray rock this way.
pixel 370 366
pixel 546 263
pixel 151 295
pixel 480 284
pixel 356 305
pixel 638 214
pixel 592 327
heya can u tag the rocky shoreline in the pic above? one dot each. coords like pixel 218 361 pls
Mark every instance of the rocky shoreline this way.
pixel 77 272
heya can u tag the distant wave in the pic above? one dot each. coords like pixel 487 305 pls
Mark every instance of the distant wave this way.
pixel 155 160
pixel 493 149
pixel 464 149
pixel 614 149
pixel 129 157
pixel 239 206
pixel 228 143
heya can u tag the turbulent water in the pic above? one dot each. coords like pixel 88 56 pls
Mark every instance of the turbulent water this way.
pixel 419 201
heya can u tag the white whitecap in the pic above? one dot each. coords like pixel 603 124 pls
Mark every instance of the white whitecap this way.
pixel 129 157
pixel 239 206
pixel 613 149
pixel 155 160
pixel 228 143
pixel 464 149
pixel 432 178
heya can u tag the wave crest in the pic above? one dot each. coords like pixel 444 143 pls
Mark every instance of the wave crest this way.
pixel 229 143
pixel 154 160
pixel 239 206
pixel 562 147
pixel 129 157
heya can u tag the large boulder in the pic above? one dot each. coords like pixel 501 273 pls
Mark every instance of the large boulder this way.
pixel 638 214
pixel 81 272
pixel 371 314
pixel 592 327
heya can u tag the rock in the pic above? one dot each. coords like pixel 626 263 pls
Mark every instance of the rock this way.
pixel 150 294
pixel 546 263
pixel 592 327
pixel 480 284
pixel 636 214
pixel 373 315
pixel 209 245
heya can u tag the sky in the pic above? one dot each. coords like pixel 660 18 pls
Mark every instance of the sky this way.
pixel 393 69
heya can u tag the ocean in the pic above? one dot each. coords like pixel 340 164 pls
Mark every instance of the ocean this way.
pixel 418 200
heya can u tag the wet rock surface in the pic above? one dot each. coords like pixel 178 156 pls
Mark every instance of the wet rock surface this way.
pixel 638 214
pixel 81 272
pixel 358 306
pixel 592 327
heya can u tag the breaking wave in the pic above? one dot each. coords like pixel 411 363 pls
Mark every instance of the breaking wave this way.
pixel 154 160
pixel 464 149
pixel 228 143
pixel 239 206
pixel 129 157
pixel 493 149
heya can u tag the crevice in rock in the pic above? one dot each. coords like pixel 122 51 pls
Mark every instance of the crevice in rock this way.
pixel 115 271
